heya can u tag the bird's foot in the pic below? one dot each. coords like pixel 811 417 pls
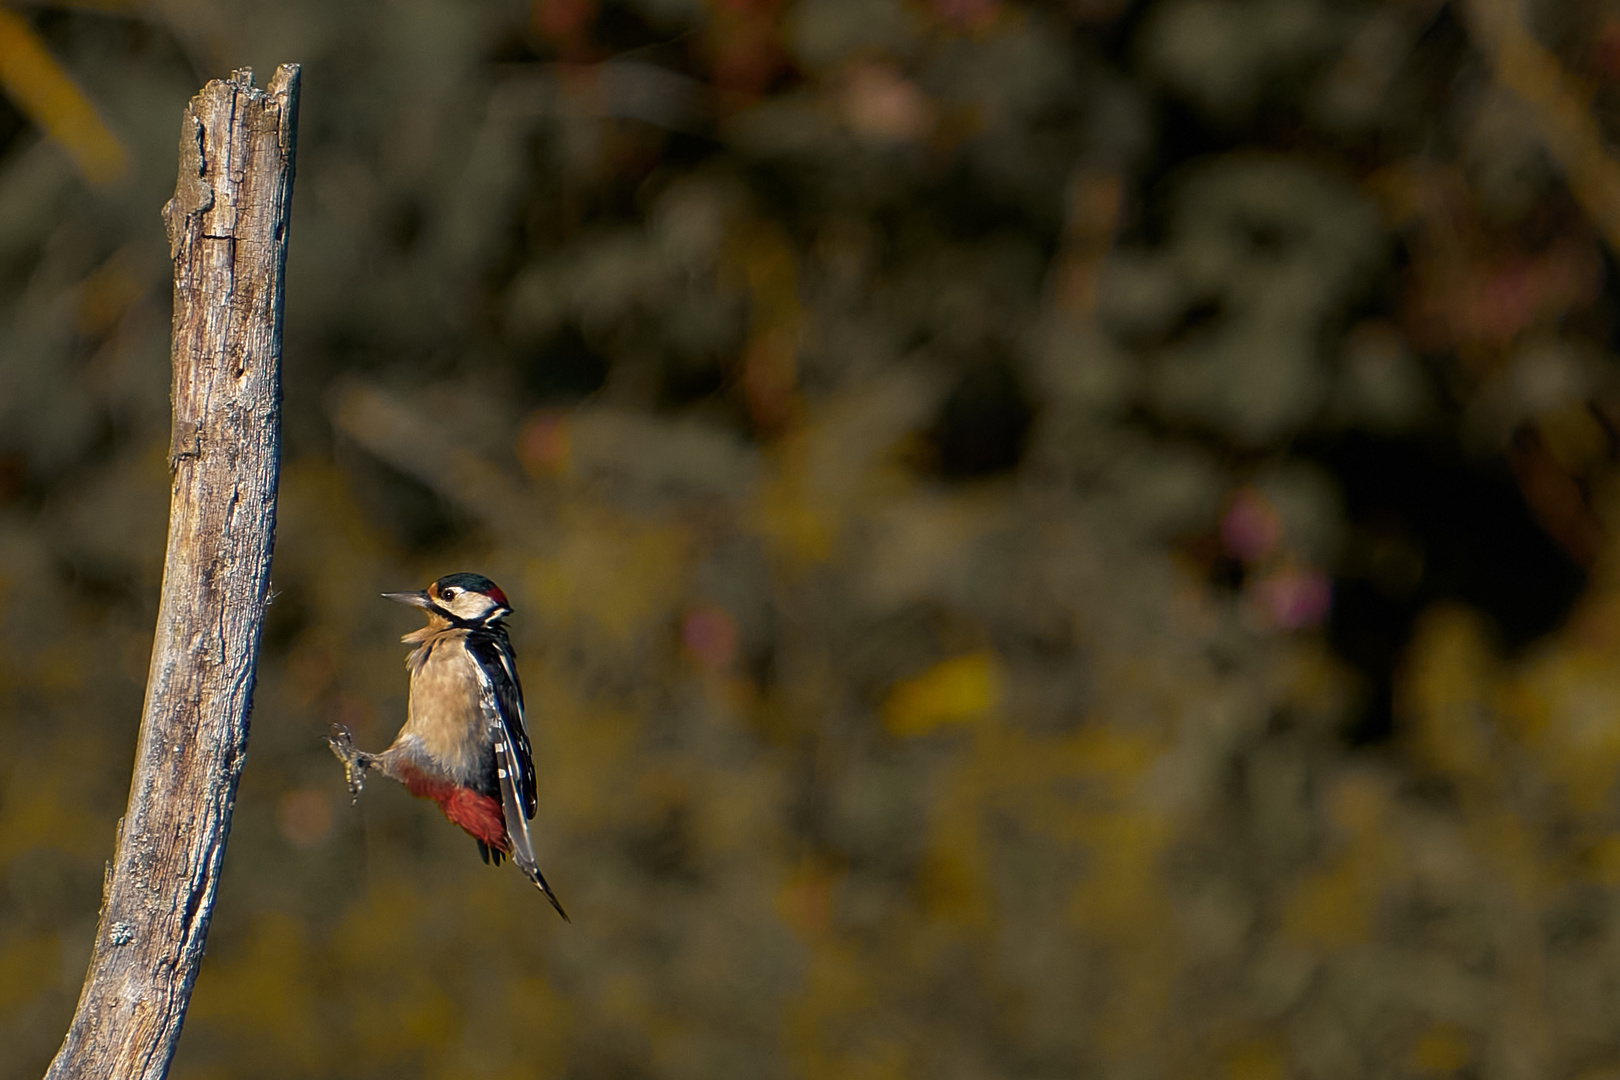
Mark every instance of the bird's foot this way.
pixel 355 762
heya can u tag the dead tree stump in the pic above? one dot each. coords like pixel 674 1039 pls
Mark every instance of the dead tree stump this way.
pixel 227 227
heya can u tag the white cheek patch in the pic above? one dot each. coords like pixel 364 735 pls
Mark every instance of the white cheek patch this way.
pixel 470 606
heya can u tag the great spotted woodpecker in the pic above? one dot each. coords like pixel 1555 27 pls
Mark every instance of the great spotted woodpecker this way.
pixel 463 744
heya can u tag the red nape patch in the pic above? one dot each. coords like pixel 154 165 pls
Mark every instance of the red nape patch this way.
pixel 478 814
pixel 496 595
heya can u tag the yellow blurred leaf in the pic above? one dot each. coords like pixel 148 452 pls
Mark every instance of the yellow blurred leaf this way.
pixel 1603 861
pixel 1332 910
pixel 39 86
pixel 1450 672
pixel 953 879
pixel 1335 906
pixel 1562 706
pixel 802 526
pixel 762 256
pixel 1124 893
pixel 1261 1060
pixel 957 691
pixel 805 899
pixel 613 571
pixel 1440 1051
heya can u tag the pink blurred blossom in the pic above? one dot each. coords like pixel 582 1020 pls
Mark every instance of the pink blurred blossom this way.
pixel 1293 598
pixel 1251 529
pixel 710 635
pixel 969 14
pixel 881 103
pixel 542 444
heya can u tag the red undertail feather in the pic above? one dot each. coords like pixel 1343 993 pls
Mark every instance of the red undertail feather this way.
pixel 478 814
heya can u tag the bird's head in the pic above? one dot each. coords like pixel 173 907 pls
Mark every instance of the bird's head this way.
pixel 460 599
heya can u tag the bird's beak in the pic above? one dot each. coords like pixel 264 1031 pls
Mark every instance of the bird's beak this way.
pixel 415 599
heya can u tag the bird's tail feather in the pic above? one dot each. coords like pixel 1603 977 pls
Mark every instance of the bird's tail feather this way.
pixel 534 875
pixel 517 827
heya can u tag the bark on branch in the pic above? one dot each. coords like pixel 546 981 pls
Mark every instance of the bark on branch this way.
pixel 227 228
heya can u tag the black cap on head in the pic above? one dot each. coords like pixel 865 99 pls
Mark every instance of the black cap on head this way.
pixel 477 583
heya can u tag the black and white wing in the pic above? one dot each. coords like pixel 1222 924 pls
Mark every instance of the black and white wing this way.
pixel 493 651
pixel 514 763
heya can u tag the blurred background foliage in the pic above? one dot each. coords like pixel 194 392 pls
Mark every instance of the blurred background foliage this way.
pixel 1049 537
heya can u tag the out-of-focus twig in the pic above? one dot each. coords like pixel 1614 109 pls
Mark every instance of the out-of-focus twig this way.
pixel 1567 127
pixel 397 434
pixel 227 229
pixel 48 96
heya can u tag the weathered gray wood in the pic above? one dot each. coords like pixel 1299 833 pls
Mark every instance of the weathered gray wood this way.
pixel 227 229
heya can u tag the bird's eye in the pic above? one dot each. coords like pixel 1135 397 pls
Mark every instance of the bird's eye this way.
pixel 451 593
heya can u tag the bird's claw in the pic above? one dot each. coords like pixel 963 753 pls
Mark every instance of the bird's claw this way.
pixel 341 740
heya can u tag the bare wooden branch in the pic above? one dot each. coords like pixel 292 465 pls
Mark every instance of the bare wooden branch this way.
pixel 227 229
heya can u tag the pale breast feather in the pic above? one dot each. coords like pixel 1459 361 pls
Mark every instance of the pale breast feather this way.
pixel 445 717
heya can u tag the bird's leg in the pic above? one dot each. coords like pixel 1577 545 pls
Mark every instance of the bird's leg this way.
pixel 355 762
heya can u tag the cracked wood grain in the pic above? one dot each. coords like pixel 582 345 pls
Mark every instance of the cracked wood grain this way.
pixel 227 226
